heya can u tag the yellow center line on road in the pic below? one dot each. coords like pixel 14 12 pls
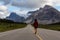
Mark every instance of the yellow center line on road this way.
pixel 40 38
pixel 37 35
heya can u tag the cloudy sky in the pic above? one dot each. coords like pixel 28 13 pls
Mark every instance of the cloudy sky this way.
pixel 23 6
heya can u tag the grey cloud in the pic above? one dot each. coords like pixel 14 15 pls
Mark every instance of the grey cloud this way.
pixel 27 3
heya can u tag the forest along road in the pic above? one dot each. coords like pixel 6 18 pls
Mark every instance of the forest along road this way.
pixel 27 33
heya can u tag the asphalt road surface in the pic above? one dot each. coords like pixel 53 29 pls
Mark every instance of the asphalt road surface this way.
pixel 27 33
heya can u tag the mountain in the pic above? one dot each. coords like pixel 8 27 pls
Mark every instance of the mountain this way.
pixel 45 15
pixel 15 17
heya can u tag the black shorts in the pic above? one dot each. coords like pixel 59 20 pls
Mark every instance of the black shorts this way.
pixel 35 27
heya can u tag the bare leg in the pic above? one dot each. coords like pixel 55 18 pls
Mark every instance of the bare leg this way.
pixel 35 30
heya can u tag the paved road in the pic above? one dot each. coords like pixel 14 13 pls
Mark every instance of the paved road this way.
pixel 28 34
pixel 49 34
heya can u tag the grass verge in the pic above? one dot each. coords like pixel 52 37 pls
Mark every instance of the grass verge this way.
pixel 11 26
pixel 52 27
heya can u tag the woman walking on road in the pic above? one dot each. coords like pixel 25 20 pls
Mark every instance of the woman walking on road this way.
pixel 35 24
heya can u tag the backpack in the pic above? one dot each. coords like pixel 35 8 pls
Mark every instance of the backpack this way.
pixel 35 24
